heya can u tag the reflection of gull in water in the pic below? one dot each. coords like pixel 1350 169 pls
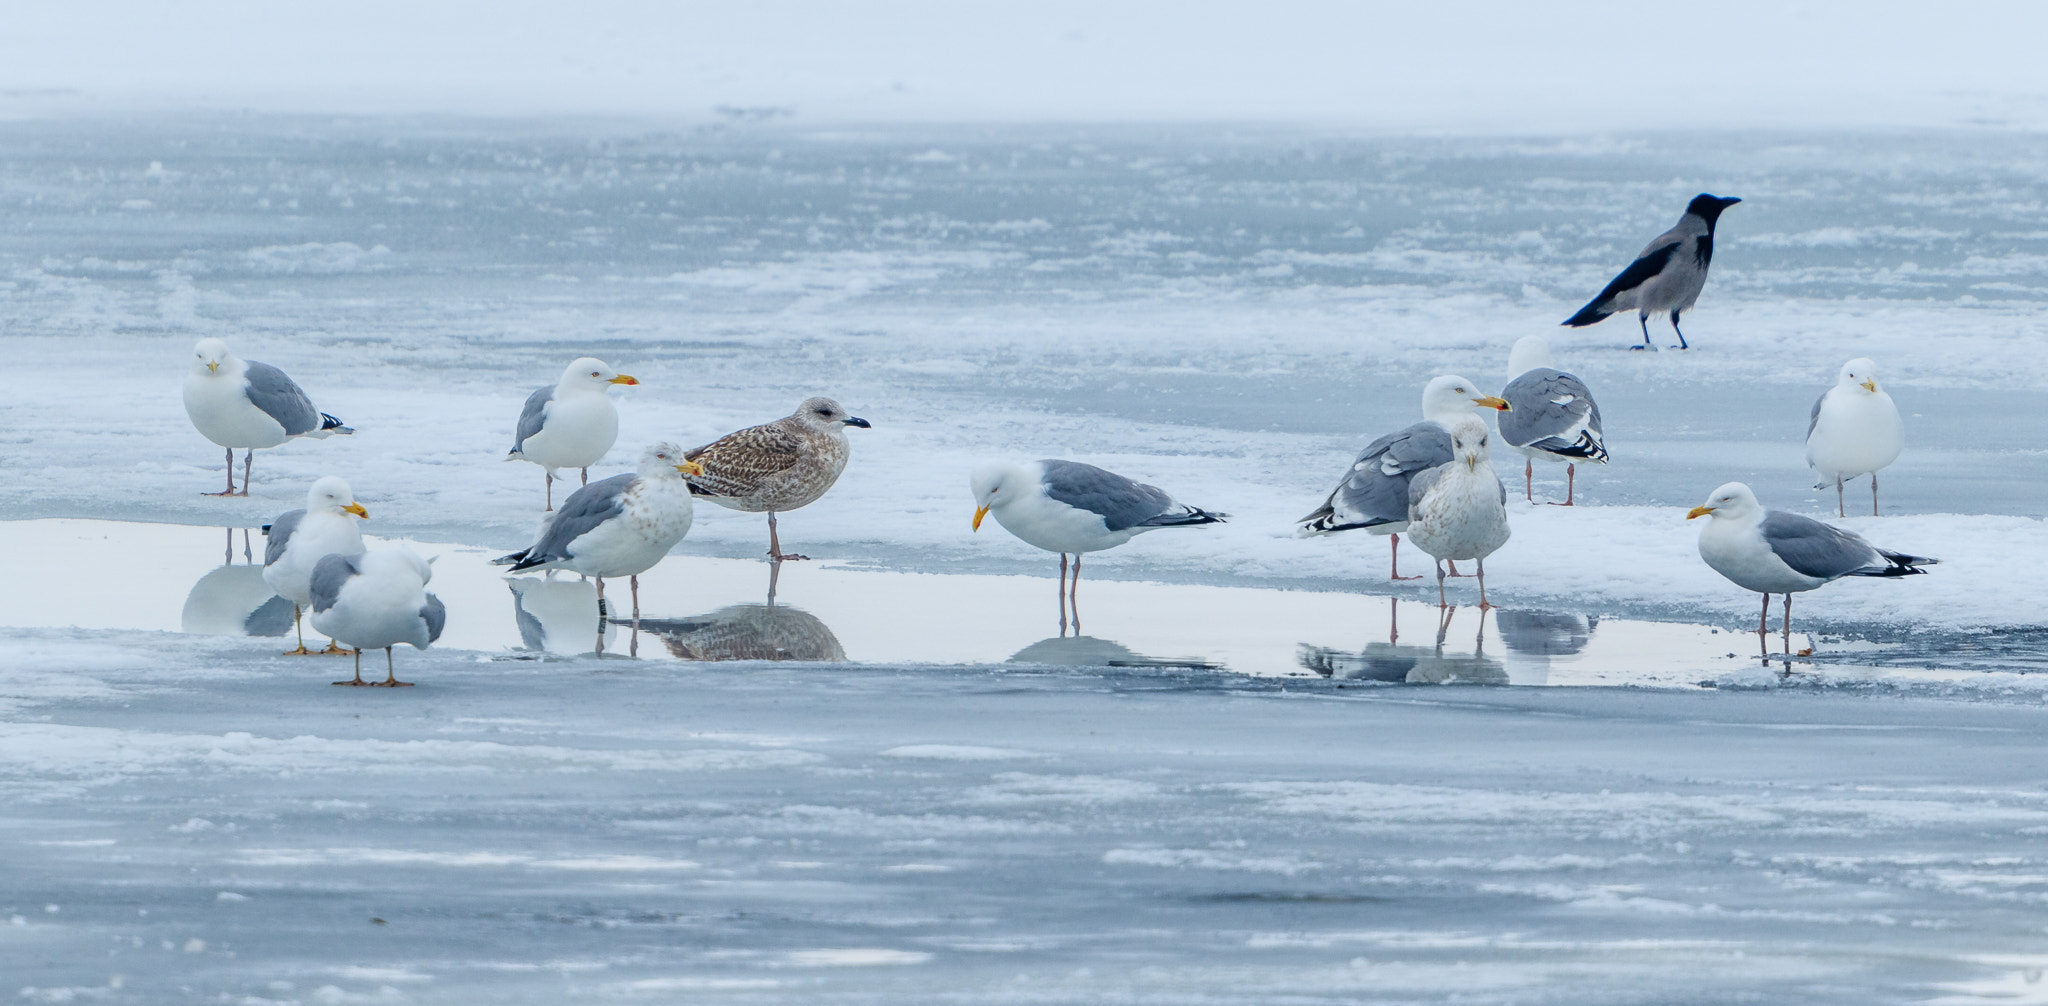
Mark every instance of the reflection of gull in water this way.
pixel 1377 662
pixel 1088 651
pixel 1544 633
pixel 554 616
pixel 234 601
pixel 1392 662
pixel 749 632
pixel 1475 668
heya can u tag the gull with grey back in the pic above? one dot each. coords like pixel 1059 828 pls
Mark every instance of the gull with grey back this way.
pixel 242 403
pixel 377 600
pixel 570 423
pixel 1551 416
pixel 1667 275
pixel 299 539
pixel 1071 507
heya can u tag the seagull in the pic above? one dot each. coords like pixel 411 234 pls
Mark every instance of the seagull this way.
pixel 377 599
pixel 1374 493
pixel 299 539
pixel 1774 552
pixel 570 423
pixel 776 467
pixel 620 526
pixel 1067 506
pixel 1667 276
pixel 241 403
pixel 1855 429
pixel 1551 416
pixel 1459 510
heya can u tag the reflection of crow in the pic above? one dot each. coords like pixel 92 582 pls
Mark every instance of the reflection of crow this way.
pixel 1379 661
pixel 234 601
pixel 1544 633
pixel 1088 651
pixel 749 632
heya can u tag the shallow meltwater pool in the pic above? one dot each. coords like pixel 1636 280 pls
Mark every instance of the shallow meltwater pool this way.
pixel 182 578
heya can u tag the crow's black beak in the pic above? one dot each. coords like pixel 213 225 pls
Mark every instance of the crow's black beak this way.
pixel 858 421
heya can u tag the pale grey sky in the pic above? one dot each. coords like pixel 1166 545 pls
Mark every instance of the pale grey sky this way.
pixel 1451 65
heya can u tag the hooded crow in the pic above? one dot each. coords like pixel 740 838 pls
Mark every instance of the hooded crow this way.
pixel 1667 276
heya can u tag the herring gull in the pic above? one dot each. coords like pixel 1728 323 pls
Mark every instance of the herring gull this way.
pixel 1774 552
pixel 620 526
pixel 1067 506
pixel 570 423
pixel 1458 510
pixel 377 599
pixel 1551 416
pixel 1374 493
pixel 1854 430
pixel 242 403
pixel 299 539
pixel 777 467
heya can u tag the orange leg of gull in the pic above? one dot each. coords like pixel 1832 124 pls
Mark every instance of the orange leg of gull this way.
pixel 335 649
pixel 230 490
pixel 358 682
pixel 1396 574
pixel 299 628
pixel 390 674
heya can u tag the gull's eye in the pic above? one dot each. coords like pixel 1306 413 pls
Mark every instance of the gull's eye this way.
pixel 593 373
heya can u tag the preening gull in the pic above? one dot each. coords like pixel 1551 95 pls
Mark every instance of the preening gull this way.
pixel 777 467
pixel 1667 275
pixel 1854 430
pixel 1374 494
pixel 242 403
pixel 1774 552
pixel 570 423
pixel 620 526
pixel 299 539
pixel 1067 506
pixel 377 599
pixel 1459 510
pixel 1551 416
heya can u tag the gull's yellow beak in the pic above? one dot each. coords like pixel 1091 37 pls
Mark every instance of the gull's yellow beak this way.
pixel 624 379
pixel 1870 386
pixel 357 509
pixel 1494 403
pixel 690 468
pixel 979 513
pixel 213 367
pixel 1698 511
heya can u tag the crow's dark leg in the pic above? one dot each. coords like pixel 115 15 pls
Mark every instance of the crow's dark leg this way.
pixel 1644 320
pixel 1674 328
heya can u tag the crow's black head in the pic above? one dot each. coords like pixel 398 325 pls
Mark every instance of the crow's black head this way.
pixel 1708 207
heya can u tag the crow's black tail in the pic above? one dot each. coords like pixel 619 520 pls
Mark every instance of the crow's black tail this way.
pixel 1590 314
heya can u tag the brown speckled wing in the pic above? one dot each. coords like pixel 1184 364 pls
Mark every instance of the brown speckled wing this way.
pixel 735 464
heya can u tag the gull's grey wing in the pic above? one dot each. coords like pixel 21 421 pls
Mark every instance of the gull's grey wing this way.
pixel 280 398
pixel 436 615
pixel 533 416
pixel 1817 549
pixel 1122 503
pixel 280 534
pixel 1546 403
pixel 329 574
pixel 1375 491
pixel 585 509
pixel 1813 418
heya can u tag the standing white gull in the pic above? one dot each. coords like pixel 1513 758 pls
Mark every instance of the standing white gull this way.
pixel 1774 552
pixel 1067 506
pixel 242 403
pixel 570 423
pixel 1854 430
pixel 299 539
pixel 1374 494
pixel 777 467
pixel 377 599
pixel 1667 275
pixel 1459 510
pixel 1551 416
pixel 620 526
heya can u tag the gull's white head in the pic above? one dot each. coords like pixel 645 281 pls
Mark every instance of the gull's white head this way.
pixel 1733 501
pixel 1470 441
pixel 1530 352
pixel 1450 396
pixel 1859 373
pixel 665 461
pixel 211 356
pixel 827 415
pixel 590 372
pixel 1000 483
pixel 331 494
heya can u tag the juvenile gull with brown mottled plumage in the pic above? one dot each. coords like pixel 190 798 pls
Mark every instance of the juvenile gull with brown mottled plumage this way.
pixel 776 467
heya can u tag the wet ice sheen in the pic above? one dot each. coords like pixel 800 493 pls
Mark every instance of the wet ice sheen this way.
pixel 826 612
